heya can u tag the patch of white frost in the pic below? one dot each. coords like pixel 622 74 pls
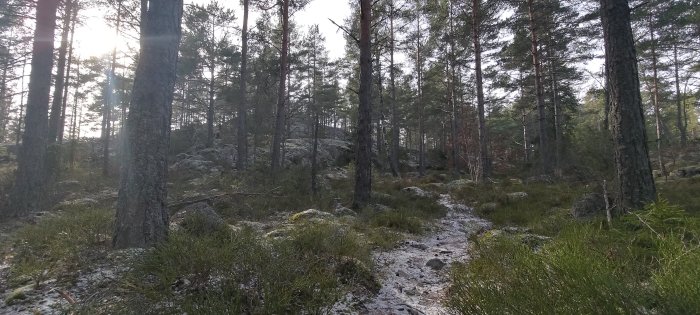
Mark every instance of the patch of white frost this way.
pixel 409 286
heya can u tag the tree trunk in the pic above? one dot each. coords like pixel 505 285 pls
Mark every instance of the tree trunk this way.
pixel 635 180
pixel 62 123
pixel 74 119
pixel 142 214
pixel 679 106
pixel 453 94
pixel 242 108
pixel 395 127
pixel 109 102
pixel 20 118
pixel 281 91
pixel 421 106
pixel 30 187
pixel 537 64
pixel 210 107
pixel 57 101
pixel 655 98
pixel 363 168
pixel 484 160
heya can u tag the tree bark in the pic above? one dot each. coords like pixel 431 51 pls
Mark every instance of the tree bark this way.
pixel 243 106
pixel 30 187
pixel 281 91
pixel 680 110
pixel 363 167
pixel 537 64
pixel 395 126
pixel 484 160
pixel 142 214
pixel 57 101
pixel 655 98
pixel 634 172
pixel 421 106
pixel 62 123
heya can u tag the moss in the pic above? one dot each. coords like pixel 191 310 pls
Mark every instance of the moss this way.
pixel 18 295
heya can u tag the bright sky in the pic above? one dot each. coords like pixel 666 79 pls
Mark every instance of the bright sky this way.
pixel 95 37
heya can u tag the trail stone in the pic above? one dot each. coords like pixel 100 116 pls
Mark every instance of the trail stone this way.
pixel 211 220
pixel 588 205
pixel 310 215
pixel 417 192
pixel 435 264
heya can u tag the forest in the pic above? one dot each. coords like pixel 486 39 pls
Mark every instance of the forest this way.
pixel 349 157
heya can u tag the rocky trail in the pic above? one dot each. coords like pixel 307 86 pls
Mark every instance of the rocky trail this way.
pixel 415 275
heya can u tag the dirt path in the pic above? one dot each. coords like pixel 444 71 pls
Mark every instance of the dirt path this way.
pixel 415 276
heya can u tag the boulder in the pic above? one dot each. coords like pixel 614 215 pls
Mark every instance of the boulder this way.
pixel 516 195
pixel 488 207
pixel 417 192
pixel 197 218
pixel 378 207
pixel 436 264
pixel 311 214
pixel 344 211
pixel 687 172
pixel 82 202
pixel 589 205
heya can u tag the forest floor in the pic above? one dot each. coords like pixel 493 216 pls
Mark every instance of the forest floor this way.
pixel 424 246
pixel 414 276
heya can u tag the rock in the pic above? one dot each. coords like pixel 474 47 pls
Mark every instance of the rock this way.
pixel 435 264
pixel 417 192
pixel 534 241
pixel 352 270
pixel 337 174
pixel 19 294
pixel 344 211
pixel 460 183
pixel 420 246
pixel 380 207
pixel 488 207
pixel 311 214
pixel 686 172
pixel 282 232
pixel 198 218
pixel 82 202
pixel 588 205
pixel 517 195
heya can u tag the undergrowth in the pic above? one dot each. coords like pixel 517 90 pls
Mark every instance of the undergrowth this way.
pixel 647 262
pixel 60 245
pixel 238 272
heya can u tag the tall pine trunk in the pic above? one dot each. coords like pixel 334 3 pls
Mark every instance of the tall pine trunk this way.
pixel 281 91
pixel 243 107
pixel 680 110
pixel 541 110
pixel 363 168
pixel 484 161
pixel 395 126
pixel 142 213
pixel 635 180
pixel 655 98
pixel 30 188
pixel 57 102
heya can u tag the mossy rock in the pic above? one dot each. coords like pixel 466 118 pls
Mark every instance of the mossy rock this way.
pixel 18 295
pixel 351 270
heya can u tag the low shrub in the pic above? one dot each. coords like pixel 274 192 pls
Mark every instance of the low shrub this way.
pixel 648 262
pixel 60 245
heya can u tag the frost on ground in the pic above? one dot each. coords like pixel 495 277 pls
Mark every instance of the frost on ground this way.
pixel 415 276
